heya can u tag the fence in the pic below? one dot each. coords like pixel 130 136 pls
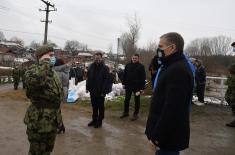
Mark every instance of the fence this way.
pixel 6 79
pixel 216 88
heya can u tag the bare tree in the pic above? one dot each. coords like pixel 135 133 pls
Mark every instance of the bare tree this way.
pixel 126 45
pixel 49 42
pixel 152 47
pixel 129 39
pixel 2 36
pixel 72 46
pixel 34 45
pixel 110 49
pixel 17 40
pixel 219 45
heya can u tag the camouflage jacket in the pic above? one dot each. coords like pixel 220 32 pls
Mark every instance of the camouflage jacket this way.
pixel 43 84
pixel 230 93
pixel 16 73
pixel 44 89
pixel 22 72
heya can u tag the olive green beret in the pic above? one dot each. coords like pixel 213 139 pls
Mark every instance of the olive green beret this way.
pixel 233 44
pixel 43 50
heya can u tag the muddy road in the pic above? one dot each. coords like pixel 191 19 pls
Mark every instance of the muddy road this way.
pixel 209 136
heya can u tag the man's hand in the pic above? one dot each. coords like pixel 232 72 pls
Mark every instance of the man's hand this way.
pixel 137 93
pixel 153 146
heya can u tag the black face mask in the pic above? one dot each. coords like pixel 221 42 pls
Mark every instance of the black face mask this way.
pixel 98 61
pixel 161 55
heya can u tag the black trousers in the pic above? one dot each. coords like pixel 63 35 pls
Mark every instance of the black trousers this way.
pixel 200 88
pixel 127 102
pixel 97 107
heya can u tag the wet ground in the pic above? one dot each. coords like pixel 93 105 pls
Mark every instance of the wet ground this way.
pixel 209 136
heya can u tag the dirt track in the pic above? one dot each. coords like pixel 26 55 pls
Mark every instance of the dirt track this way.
pixel 209 136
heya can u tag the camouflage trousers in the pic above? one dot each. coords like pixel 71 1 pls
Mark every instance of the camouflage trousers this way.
pixel 16 83
pixel 233 108
pixel 41 143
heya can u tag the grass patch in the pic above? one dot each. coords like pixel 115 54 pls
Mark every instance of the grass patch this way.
pixel 117 104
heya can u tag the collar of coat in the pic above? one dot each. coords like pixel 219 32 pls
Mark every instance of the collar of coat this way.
pixel 173 58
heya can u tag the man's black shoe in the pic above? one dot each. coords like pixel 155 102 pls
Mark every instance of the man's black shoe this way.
pixel 98 124
pixel 231 124
pixel 135 117
pixel 92 123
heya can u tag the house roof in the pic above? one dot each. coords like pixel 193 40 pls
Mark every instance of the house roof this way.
pixel 9 44
pixel 85 54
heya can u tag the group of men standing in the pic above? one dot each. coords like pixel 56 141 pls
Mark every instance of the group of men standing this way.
pixel 167 128
pixel 168 122
pixel 18 74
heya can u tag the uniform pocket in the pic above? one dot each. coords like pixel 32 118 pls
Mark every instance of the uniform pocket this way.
pixel 31 118
pixel 47 122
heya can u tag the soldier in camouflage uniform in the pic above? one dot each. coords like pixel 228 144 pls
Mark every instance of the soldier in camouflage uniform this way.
pixel 43 116
pixel 230 93
pixel 16 77
pixel 22 74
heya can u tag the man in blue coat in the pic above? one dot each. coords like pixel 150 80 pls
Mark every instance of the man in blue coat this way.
pixel 167 127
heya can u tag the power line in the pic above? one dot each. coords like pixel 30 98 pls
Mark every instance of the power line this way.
pixel 41 34
pixel 47 10
pixel 20 31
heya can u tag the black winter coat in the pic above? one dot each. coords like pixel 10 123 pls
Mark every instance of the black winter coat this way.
pixel 168 120
pixel 134 77
pixel 98 79
pixel 200 76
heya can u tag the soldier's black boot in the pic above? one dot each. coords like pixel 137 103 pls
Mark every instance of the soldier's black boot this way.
pixel 92 123
pixel 231 124
pixel 124 115
pixel 98 124
pixel 135 117
pixel 61 129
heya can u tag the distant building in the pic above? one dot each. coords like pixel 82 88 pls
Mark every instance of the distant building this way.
pixel 11 44
pixel 7 56
pixel 21 60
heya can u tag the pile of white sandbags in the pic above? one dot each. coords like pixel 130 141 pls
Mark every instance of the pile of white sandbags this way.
pixel 79 91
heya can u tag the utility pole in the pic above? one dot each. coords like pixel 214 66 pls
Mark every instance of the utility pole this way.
pixel 47 10
pixel 118 47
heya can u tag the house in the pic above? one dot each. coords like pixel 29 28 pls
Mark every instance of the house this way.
pixel 14 46
pixel 7 56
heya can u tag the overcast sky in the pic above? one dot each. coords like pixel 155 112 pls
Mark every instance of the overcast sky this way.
pixel 99 23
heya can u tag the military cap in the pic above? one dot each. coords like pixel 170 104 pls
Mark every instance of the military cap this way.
pixel 43 50
pixel 233 44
